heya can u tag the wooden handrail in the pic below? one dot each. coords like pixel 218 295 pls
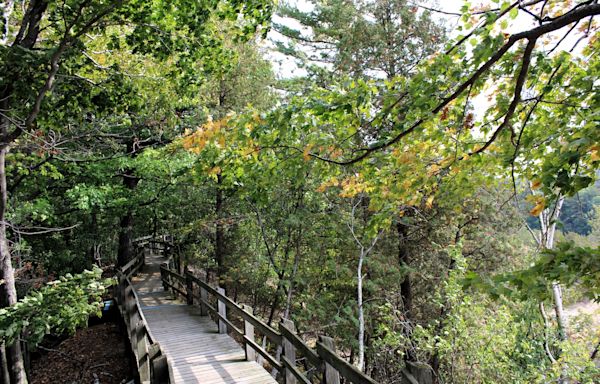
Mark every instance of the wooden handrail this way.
pixel 130 268
pixel 295 371
pixel 345 369
pixel 141 313
pixel 324 359
pixel 310 354
pixel 151 363
pixel 265 329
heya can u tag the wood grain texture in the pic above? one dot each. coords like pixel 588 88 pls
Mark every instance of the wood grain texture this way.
pixel 195 350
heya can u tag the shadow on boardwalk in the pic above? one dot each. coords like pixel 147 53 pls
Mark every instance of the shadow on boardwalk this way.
pixel 195 350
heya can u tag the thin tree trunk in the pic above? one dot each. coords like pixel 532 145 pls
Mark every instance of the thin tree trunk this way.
pixel 5 375
pixel 7 9
pixel 364 252
pixel 404 262
pixel 546 328
pixel 219 230
pixel 290 293
pixel 130 182
pixel 125 252
pixel 361 315
pixel 8 291
pixel 548 230
pixel 561 319
pixel 550 226
pixel 275 302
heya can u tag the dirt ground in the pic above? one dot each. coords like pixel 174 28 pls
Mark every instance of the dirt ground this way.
pixel 95 355
pixel 586 307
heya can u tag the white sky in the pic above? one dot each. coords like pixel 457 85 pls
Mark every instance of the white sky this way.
pixel 286 68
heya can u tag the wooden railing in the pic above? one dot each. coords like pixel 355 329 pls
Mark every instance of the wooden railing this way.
pixel 284 350
pixel 151 363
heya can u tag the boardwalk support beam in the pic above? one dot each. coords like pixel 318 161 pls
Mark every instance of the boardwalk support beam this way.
pixel 289 351
pixel 332 376
pixel 189 288
pixel 249 333
pixel 222 308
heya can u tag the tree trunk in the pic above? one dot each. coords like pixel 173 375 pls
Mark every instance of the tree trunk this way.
pixel 548 230
pixel 404 262
pixel 550 226
pixel 361 315
pixel 125 252
pixel 219 229
pixel 4 372
pixel 405 285
pixel 561 319
pixel 290 293
pixel 8 291
pixel 275 302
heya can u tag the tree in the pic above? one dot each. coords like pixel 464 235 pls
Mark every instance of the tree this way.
pixel 33 56
pixel 361 39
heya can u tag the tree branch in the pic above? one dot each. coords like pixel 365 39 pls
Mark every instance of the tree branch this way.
pixel 532 35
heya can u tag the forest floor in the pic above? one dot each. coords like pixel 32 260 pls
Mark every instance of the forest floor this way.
pixel 584 321
pixel 585 308
pixel 97 355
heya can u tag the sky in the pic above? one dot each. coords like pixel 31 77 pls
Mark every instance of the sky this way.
pixel 286 68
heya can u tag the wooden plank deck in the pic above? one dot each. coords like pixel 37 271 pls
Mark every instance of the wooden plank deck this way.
pixel 195 350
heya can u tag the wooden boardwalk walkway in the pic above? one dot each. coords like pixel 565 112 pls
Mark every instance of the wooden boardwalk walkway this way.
pixel 196 352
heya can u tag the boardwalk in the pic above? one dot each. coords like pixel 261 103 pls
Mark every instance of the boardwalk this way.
pixel 195 350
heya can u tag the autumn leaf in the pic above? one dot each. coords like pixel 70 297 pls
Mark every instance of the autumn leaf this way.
pixel 536 184
pixel 539 207
pixel 214 170
pixel 433 170
pixel 306 152
pixel 444 116
pixel 429 202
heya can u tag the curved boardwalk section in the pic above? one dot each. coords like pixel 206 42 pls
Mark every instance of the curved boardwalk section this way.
pixel 196 352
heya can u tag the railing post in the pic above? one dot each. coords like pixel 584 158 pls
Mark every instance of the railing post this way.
pixel 222 311
pixel 160 370
pixel 289 351
pixel 163 277
pixel 189 288
pixel 249 333
pixel 142 352
pixel 332 376
pixel 130 311
pixel 203 299
pixel 120 293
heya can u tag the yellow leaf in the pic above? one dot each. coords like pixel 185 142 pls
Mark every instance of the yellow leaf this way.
pixel 306 152
pixel 433 170
pixel 405 157
pixel 214 171
pixel 322 188
pixel 539 207
pixel 536 184
pixel 429 202
pixel 447 161
pixel 595 155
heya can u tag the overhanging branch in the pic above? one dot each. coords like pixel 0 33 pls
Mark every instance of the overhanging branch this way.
pixel 574 15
